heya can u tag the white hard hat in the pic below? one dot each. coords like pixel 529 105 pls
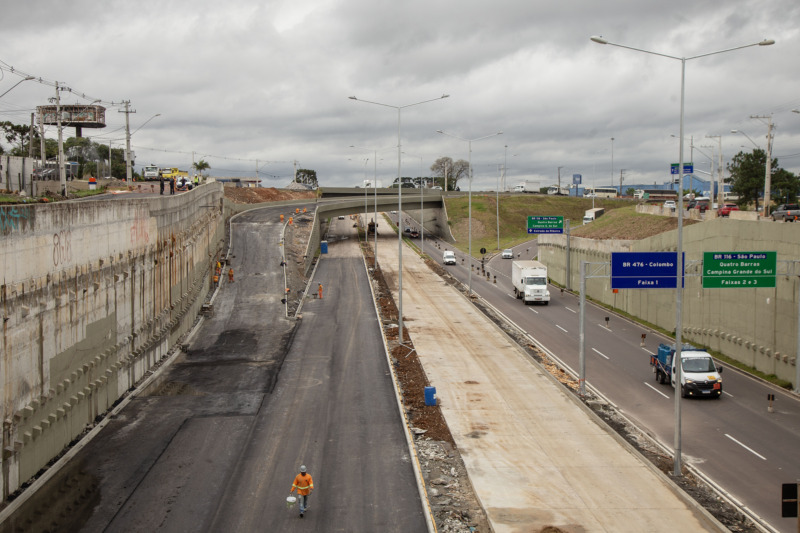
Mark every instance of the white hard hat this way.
pixel 302 468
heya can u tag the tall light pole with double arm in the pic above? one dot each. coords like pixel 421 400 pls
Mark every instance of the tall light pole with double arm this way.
pixel 469 215
pixel 679 284
pixel 399 204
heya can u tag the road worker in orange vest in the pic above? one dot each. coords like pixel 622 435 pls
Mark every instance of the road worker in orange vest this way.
pixel 304 486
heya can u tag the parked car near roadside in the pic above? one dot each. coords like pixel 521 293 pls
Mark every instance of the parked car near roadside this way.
pixel 786 212
pixel 725 210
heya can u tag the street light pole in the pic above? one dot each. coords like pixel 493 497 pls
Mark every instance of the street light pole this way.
pixel 679 284
pixel 399 205
pixel 375 194
pixel 612 161
pixel 20 81
pixel 469 215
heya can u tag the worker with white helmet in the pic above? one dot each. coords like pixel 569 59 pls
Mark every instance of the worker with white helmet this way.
pixel 304 486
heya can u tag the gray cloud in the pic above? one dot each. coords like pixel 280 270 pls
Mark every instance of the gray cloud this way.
pixel 244 81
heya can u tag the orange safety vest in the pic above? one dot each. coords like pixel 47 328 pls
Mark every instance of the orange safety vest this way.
pixel 303 483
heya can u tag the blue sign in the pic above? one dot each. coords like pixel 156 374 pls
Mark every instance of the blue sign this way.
pixel 644 270
pixel 576 179
pixel 688 168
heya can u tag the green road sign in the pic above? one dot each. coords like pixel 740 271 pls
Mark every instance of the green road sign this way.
pixel 724 270
pixel 546 224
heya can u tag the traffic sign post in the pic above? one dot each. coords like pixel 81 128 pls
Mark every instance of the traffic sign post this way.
pixel 723 270
pixel 545 224
pixel 644 270
pixel 688 168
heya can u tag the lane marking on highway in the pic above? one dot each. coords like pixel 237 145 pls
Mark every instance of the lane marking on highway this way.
pixel 648 351
pixel 570 310
pixel 606 328
pixel 747 448
pixel 562 329
pixel 600 353
pixel 655 389
pixel 726 393
pixel 534 310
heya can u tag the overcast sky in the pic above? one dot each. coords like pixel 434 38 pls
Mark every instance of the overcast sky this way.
pixel 243 84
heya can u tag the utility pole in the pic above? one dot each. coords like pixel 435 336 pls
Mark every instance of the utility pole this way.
pixel 621 172
pixel 42 152
pixel 768 173
pixel 128 169
pixel 62 172
pixel 30 139
pixel 559 180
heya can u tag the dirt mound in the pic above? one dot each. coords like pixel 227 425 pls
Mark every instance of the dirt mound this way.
pixel 257 195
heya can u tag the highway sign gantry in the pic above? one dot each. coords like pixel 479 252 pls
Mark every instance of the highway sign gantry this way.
pixel 644 270
pixel 724 270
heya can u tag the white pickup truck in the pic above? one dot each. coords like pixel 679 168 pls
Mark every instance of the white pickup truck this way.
pixel 449 257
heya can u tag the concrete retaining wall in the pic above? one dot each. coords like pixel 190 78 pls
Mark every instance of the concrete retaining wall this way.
pixel 755 326
pixel 15 173
pixel 94 293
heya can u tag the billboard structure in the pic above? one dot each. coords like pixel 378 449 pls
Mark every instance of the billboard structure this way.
pixel 76 116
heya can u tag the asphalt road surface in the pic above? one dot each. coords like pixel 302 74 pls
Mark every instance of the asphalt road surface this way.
pixel 735 441
pixel 215 444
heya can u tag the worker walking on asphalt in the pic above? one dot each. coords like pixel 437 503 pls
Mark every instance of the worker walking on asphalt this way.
pixel 230 275
pixel 304 486
pixel 319 291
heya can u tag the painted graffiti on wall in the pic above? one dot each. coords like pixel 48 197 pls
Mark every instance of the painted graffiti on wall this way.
pixel 62 247
pixel 14 217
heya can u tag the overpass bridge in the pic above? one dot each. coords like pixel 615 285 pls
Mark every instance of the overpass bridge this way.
pixel 425 206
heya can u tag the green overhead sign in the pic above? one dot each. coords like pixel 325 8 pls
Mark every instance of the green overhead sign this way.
pixel 723 270
pixel 545 224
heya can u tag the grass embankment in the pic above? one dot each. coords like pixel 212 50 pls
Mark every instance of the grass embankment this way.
pixel 620 221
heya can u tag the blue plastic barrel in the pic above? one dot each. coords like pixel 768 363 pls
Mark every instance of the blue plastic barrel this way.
pixel 323 247
pixel 430 395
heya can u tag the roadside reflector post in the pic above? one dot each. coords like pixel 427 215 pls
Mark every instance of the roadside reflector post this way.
pixel 644 335
pixel 770 399
pixel 607 319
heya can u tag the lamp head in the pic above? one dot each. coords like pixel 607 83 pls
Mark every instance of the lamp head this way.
pixel 766 42
pixel 598 39
pixel 352 98
pixel 734 131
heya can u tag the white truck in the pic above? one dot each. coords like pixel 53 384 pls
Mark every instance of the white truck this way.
pixel 527 186
pixel 449 257
pixel 530 281
pixel 150 173
pixel 700 377
pixel 593 214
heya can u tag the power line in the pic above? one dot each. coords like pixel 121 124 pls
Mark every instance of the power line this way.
pixel 43 81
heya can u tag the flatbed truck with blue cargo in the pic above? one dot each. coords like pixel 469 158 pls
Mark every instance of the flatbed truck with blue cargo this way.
pixel 700 377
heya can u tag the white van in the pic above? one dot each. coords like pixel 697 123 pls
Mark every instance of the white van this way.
pixel 449 257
